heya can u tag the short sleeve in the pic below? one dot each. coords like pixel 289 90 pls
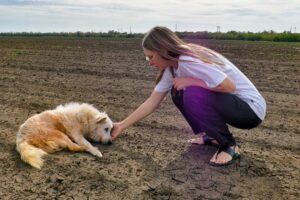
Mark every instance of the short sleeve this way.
pixel 165 84
pixel 210 74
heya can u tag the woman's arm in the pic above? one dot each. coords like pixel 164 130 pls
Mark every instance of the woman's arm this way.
pixel 141 112
pixel 227 85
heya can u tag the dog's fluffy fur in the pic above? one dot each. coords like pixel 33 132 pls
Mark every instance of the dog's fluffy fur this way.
pixel 68 126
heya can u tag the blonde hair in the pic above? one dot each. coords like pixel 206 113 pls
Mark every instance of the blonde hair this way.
pixel 169 46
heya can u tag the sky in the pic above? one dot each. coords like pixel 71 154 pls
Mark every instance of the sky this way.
pixel 138 16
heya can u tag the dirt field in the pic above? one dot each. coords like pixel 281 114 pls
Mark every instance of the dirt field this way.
pixel 152 159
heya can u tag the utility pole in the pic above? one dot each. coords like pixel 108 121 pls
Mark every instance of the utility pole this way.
pixel 218 29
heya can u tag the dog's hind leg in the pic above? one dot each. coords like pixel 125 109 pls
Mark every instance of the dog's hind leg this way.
pixel 66 143
pixel 52 140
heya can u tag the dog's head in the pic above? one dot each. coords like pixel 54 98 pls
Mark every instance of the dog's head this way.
pixel 102 131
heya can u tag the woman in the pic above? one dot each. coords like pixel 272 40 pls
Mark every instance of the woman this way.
pixel 208 89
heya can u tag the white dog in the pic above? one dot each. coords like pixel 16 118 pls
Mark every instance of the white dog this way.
pixel 69 126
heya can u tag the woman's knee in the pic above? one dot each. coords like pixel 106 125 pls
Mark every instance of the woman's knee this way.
pixel 195 96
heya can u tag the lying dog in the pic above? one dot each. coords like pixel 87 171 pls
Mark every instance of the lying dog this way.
pixel 69 126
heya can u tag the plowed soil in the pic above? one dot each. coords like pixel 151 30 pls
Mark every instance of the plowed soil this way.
pixel 152 159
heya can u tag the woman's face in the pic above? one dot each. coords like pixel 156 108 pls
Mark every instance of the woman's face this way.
pixel 156 60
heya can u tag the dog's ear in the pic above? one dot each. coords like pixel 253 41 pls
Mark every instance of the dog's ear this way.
pixel 100 120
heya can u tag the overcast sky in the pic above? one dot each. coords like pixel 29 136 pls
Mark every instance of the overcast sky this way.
pixel 141 15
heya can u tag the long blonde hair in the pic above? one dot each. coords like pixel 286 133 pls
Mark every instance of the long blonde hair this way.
pixel 169 46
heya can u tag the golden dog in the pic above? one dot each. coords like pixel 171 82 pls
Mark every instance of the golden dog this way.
pixel 68 126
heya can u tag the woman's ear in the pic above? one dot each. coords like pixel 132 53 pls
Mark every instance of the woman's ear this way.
pixel 172 54
pixel 169 55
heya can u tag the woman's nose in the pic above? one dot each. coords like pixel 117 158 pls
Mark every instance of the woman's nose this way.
pixel 151 63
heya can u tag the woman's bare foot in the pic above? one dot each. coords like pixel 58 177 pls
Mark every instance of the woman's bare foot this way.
pixel 223 157
pixel 203 140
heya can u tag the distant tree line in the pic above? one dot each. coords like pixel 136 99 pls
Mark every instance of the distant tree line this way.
pixel 231 35
pixel 109 34
pixel 234 35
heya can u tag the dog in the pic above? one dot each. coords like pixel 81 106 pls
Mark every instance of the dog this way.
pixel 70 126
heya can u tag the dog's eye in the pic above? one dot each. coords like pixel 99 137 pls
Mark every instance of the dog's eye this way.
pixel 106 129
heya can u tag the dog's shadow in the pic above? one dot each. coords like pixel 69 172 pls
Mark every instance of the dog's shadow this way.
pixel 62 156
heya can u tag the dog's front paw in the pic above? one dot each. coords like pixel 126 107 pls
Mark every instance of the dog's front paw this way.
pixel 97 153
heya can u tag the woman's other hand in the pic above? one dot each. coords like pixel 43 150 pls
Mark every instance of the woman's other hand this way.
pixel 180 83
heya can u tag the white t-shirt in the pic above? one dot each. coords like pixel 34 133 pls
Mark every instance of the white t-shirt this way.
pixel 213 75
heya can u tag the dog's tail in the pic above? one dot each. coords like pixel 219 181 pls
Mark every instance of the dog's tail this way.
pixel 31 154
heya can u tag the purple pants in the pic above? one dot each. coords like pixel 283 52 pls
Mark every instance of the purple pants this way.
pixel 210 112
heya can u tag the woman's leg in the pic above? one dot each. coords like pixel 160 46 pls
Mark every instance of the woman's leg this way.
pixel 211 112
pixel 177 97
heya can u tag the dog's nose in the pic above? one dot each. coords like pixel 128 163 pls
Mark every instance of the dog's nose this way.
pixel 109 142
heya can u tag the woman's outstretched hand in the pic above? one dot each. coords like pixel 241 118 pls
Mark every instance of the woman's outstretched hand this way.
pixel 116 131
